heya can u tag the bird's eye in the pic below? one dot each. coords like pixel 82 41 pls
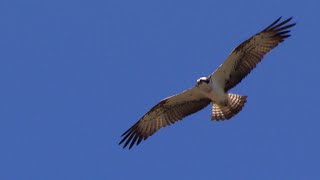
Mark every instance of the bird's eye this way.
pixel 205 80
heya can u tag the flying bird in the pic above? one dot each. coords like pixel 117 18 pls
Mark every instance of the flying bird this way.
pixel 213 88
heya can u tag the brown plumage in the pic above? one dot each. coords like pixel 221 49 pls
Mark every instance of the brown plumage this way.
pixel 244 58
pixel 163 114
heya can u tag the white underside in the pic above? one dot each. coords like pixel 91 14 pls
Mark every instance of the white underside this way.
pixel 213 91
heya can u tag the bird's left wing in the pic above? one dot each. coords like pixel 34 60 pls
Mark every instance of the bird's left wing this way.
pixel 244 58
pixel 166 112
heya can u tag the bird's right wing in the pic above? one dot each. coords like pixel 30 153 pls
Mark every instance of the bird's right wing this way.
pixel 244 58
pixel 166 112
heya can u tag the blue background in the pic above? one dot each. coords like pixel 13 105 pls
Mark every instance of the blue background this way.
pixel 75 75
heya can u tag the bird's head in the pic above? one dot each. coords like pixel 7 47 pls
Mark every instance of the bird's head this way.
pixel 202 80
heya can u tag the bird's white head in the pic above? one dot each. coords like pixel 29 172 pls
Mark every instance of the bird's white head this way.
pixel 202 80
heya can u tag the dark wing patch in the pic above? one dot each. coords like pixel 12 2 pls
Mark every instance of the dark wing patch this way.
pixel 167 112
pixel 250 52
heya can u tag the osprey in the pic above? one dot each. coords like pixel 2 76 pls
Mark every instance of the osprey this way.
pixel 212 89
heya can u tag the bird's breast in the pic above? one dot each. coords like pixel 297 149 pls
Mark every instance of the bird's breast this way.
pixel 216 93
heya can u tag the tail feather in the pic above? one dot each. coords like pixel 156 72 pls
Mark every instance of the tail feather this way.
pixel 234 106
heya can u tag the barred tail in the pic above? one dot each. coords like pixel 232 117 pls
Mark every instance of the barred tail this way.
pixel 233 107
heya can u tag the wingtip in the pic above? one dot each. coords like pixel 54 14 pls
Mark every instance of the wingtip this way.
pixel 286 36
pixel 277 20
pixel 121 142
pixel 272 24
pixel 277 24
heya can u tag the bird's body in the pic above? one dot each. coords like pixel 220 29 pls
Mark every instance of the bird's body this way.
pixel 212 89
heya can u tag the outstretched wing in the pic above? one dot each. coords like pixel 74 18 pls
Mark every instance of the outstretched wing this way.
pixel 248 54
pixel 166 112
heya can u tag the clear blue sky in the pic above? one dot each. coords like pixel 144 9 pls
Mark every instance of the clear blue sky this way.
pixel 75 75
